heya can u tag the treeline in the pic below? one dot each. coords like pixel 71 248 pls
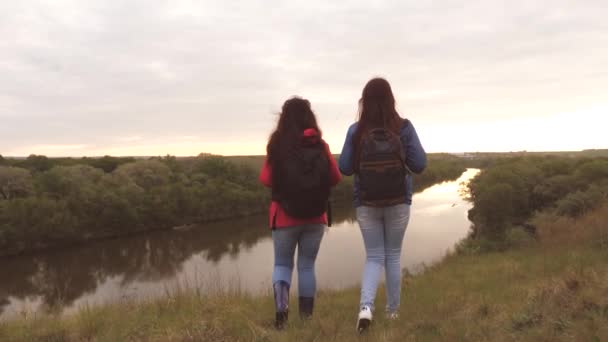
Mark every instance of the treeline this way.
pixel 40 163
pixel 50 201
pixel 507 194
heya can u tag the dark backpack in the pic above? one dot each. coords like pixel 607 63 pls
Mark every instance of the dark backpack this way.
pixel 381 168
pixel 302 183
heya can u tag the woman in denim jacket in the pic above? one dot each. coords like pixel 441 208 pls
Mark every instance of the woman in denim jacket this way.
pixel 382 227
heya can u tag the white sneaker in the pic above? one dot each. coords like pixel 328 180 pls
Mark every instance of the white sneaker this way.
pixel 365 319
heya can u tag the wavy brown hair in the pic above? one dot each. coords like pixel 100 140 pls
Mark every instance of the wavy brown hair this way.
pixel 377 109
pixel 296 116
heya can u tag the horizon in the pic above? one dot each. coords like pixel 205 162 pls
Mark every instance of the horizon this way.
pixel 263 155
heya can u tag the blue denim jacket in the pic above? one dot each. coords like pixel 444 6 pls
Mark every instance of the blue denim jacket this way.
pixel 415 158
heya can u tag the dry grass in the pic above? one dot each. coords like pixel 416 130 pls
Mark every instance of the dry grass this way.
pixel 565 231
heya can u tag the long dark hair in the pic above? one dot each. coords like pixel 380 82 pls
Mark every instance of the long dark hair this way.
pixel 296 116
pixel 377 109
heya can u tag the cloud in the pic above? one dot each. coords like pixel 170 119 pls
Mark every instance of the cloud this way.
pixel 86 72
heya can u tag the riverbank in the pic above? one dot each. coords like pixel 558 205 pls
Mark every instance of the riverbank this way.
pixel 551 288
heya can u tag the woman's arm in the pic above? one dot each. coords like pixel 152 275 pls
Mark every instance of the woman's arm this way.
pixel 415 156
pixel 348 152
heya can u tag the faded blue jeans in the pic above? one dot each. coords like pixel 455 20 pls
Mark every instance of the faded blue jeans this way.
pixel 382 230
pixel 308 239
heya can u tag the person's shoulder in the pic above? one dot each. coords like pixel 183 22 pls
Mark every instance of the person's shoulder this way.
pixel 406 125
pixel 352 128
pixel 407 129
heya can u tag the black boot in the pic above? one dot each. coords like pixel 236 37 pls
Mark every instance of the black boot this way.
pixel 281 301
pixel 306 305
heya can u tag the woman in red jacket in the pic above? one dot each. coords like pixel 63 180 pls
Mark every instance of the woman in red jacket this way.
pixel 300 169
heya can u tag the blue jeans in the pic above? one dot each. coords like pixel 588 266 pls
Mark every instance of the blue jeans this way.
pixel 308 239
pixel 382 230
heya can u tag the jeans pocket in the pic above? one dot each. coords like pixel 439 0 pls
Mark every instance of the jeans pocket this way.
pixel 361 213
pixel 404 211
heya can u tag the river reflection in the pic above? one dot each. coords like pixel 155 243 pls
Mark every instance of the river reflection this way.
pixel 236 253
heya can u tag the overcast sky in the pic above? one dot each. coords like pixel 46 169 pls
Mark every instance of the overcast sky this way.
pixel 184 77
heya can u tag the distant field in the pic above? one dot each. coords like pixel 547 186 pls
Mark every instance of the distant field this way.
pixel 257 161
pixel 585 153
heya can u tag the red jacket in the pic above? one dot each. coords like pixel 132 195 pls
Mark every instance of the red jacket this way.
pixel 282 219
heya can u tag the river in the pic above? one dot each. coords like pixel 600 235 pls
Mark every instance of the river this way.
pixel 233 254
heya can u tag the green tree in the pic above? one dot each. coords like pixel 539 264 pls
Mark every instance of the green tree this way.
pixel 37 163
pixel 79 187
pixel 579 202
pixel 123 202
pixel 15 182
pixel 494 209
pixel 146 173
pixel 557 166
pixel 108 163
pixel 64 181
pixel 172 163
pixel 552 189
pixel 217 167
pixel 592 171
